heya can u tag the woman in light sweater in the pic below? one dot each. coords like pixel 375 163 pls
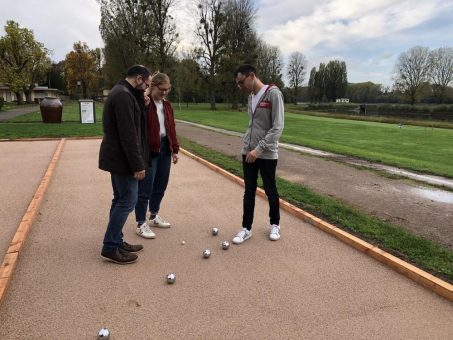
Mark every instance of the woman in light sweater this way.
pixel 164 147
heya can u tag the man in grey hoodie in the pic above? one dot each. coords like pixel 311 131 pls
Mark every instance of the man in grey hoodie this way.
pixel 260 148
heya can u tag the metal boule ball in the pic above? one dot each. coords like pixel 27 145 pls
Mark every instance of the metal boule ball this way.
pixel 206 253
pixel 225 245
pixel 171 278
pixel 103 334
pixel 215 231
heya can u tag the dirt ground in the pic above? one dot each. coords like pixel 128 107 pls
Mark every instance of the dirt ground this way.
pixel 391 200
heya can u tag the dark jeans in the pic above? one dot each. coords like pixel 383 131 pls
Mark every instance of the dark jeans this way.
pixel 266 168
pixel 152 188
pixel 124 200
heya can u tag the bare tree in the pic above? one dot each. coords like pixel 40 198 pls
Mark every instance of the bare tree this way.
pixel 270 64
pixel 441 61
pixel 411 70
pixel 296 70
pixel 211 21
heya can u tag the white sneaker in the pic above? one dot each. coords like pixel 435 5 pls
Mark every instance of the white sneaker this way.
pixel 274 234
pixel 242 235
pixel 145 231
pixel 159 222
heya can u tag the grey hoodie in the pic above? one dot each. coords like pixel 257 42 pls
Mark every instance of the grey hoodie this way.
pixel 265 124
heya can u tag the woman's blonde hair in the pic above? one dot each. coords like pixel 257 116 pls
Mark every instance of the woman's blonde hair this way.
pixel 159 78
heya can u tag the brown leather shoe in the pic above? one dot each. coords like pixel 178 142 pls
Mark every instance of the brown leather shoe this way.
pixel 119 256
pixel 131 248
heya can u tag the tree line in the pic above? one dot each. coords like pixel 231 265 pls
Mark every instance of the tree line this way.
pixel 145 32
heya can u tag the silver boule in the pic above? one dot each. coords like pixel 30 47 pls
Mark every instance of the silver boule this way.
pixel 215 231
pixel 206 253
pixel 171 278
pixel 103 334
pixel 225 245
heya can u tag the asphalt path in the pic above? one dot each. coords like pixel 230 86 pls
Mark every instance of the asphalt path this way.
pixel 307 285
pixel 7 115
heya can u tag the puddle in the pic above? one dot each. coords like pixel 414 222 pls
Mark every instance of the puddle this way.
pixel 435 195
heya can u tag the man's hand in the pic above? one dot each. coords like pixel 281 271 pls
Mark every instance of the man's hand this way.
pixel 175 158
pixel 139 175
pixel 251 156
pixel 147 100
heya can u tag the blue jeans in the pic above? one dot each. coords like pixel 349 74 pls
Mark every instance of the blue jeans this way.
pixel 124 199
pixel 152 188
pixel 267 168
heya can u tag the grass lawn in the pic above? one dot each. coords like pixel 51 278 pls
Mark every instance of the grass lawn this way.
pixel 31 125
pixel 413 147
pixel 415 249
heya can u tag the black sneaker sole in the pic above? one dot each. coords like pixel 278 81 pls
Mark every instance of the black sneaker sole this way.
pixel 119 262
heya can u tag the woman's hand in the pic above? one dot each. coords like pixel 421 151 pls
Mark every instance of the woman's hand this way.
pixel 175 158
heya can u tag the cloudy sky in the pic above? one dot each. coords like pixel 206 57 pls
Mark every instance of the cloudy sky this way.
pixel 368 34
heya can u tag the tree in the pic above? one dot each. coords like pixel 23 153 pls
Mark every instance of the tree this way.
pixel 80 69
pixel 270 64
pixel 165 36
pixel 296 70
pixel 210 23
pixel 320 83
pixel 127 28
pixel 187 79
pixel 336 79
pixel 56 76
pixel 441 72
pixel 367 92
pixel 311 86
pixel 240 41
pixel 411 70
pixel 23 60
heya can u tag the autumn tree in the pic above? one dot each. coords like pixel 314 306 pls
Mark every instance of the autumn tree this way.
pixel 80 69
pixel 23 60
pixel 296 70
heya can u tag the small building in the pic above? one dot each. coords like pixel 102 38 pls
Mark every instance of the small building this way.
pixel 39 92
pixel 342 100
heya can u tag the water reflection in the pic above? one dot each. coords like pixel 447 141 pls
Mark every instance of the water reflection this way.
pixel 435 195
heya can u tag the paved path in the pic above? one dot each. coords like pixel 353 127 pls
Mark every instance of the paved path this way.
pixel 397 201
pixel 307 285
pixel 429 179
pixel 22 165
pixel 7 115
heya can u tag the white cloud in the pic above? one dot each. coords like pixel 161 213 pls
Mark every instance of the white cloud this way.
pixel 57 24
pixel 340 23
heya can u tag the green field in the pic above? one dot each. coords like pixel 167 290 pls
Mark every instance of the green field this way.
pixel 418 148
pixel 413 147
pixel 31 126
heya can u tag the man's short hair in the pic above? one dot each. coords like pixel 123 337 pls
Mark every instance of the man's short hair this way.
pixel 245 69
pixel 138 70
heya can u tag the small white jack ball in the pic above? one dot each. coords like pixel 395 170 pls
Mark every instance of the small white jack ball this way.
pixel 206 253
pixel 171 278
pixel 103 334
pixel 183 242
pixel 215 231
pixel 225 245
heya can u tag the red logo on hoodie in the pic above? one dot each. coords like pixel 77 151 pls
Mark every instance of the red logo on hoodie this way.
pixel 265 105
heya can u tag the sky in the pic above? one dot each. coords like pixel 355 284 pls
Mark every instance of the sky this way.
pixel 369 35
